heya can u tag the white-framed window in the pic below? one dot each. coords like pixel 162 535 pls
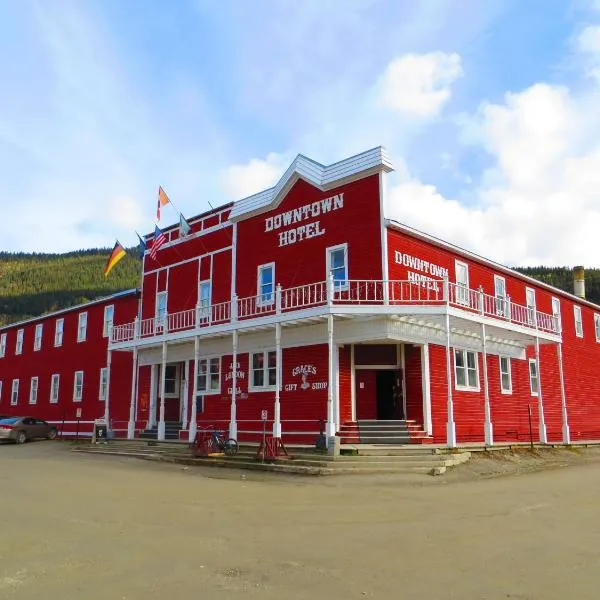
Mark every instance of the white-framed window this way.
pixel 14 397
pixel 534 381
pixel 204 299
pixel 109 318
pixel 37 340
pixel 530 302
pixel 33 390
pixel 19 346
pixel 500 293
pixel 461 271
pixel 54 388
pixel 2 345
pixel 58 332
pixel 102 387
pixel 265 284
pixel 263 370
pixel 172 380
pixel 466 370
pixel 0 390
pixel 209 375
pixel 337 266
pixel 78 386
pixel 597 326
pixel 578 321
pixel 82 327
pixel 161 309
pixel 505 375
pixel 556 311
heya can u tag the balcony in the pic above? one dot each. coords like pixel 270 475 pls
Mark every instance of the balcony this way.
pixel 371 297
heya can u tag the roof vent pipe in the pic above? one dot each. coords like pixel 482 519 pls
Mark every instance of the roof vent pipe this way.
pixel 579 282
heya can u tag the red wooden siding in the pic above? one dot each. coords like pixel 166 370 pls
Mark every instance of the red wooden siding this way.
pixel 414 382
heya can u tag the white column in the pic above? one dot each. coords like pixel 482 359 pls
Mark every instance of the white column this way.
pixel 450 425
pixel 163 378
pixel 233 417
pixel 563 397
pixel 543 434
pixel 352 383
pixel 193 415
pixel 426 386
pixel 186 396
pixel 488 428
pixel 153 394
pixel 330 427
pixel 277 414
pixel 131 424
pixel 107 401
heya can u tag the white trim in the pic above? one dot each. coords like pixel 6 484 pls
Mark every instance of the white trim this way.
pixel 38 339
pixel 328 252
pixel 0 390
pixel 14 393
pixel 204 311
pixel 234 261
pixel 537 376
pixel 597 326
pixel 77 397
pixel 3 344
pixel 509 372
pixel 462 293
pixel 19 341
pixel 59 342
pixel 578 312
pixel 259 285
pixel 207 359
pixel 80 337
pixel 32 398
pixel 352 385
pixel 106 323
pixel 557 313
pixel 531 308
pixel 101 395
pixel 383 191
pixel 466 387
pixel 176 379
pixel 183 262
pixel 161 321
pixel 54 377
pixel 426 389
pixel 265 387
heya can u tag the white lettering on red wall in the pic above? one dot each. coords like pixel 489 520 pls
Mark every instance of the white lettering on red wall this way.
pixel 429 273
pixel 298 215
pixel 305 372
pixel 240 375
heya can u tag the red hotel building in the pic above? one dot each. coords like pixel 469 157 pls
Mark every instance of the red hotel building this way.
pixel 306 302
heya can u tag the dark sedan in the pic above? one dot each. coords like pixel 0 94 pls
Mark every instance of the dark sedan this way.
pixel 22 429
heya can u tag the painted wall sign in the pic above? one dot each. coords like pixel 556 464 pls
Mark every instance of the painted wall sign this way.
pixel 241 375
pixel 300 214
pixel 304 372
pixel 429 273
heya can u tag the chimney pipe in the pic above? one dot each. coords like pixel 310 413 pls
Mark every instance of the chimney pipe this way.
pixel 579 282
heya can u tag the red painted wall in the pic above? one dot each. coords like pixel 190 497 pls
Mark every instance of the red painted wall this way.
pixel 366 394
pixel 414 383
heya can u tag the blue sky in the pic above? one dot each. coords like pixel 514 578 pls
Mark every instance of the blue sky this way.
pixel 487 108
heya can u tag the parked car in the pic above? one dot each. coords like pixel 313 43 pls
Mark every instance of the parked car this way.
pixel 21 429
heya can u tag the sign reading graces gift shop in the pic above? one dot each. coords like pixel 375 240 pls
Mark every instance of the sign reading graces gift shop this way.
pixel 302 214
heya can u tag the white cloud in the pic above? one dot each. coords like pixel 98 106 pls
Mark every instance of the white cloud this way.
pixel 588 43
pixel 240 181
pixel 419 84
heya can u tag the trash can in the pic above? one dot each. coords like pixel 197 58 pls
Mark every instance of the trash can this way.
pixel 100 433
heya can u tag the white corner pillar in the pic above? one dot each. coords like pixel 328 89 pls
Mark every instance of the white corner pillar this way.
pixel 450 425
pixel 163 381
pixel 543 434
pixel 277 411
pixel 194 408
pixel 132 402
pixel 107 400
pixel 563 397
pixel 233 430
pixel 330 426
pixel 488 427
pixel 153 395
pixel 186 396
pixel 426 386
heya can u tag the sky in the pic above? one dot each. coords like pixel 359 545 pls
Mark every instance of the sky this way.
pixel 489 110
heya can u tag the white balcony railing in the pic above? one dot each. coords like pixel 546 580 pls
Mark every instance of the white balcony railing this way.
pixel 340 293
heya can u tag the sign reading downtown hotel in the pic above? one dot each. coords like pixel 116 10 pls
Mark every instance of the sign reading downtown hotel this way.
pixel 308 212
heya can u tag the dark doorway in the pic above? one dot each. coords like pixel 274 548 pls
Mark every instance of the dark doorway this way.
pixel 390 405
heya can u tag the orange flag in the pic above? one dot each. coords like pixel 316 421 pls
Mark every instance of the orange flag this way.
pixel 163 199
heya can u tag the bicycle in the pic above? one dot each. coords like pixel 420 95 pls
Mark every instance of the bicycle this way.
pixel 209 440
pixel 228 446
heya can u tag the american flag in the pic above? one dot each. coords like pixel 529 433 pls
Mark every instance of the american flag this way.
pixel 159 239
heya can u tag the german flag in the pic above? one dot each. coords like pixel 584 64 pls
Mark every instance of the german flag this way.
pixel 116 255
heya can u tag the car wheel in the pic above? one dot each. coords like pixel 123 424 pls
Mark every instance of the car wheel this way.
pixel 52 434
pixel 21 437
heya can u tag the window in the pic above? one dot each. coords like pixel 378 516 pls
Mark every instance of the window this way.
pixel 14 397
pixel 19 347
pixel 78 386
pixel 462 282
pixel 533 377
pixel 530 301
pixel 0 391
pixel 171 380
pixel 2 344
pixel 466 371
pixel 161 308
pixel 597 326
pixel 204 291
pixel 58 332
pixel 55 384
pixel 109 317
pixel 37 340
pixel 578 321
pixel 103 383
pixel 209 375
pixel 501 300
pixel 505 375
pixel 264 369
pixel 33 390
pixel 266 284
pixel 337 266
pixel 556 311
pixel 82 327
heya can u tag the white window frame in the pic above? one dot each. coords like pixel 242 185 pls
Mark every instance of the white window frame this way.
pixel 337 285
pixel 462 287
pixel 14 393
pixel 176 379
pixel 33 390
pixel 501 299
pixel 2 345
pixel 262 298
pixel 530 301
pixel 82 327
pixel 59 332
pixel 19 343
pixel 204 310
pixel 208 388
pixel 37 340
pixel 103 384
pixel 597 326
pixel 265 370
pixel 54 388
pixel 578 318
pixel 556 311
pixel 107 323
pixel 467 387
pixel 77 386
pixel 508 372
pixel 0 390
pixel 161 318
pixel 533 362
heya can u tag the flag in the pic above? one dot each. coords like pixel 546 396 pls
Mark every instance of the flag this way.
pixel 159 239
pixel 163 199
pixel 141 246
pixel 116 255
pixel 184 226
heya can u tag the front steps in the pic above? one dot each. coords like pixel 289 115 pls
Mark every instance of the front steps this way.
pixel 172 429
pixel 401 432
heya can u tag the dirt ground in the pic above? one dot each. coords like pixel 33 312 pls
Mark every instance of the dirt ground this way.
pixel 76 526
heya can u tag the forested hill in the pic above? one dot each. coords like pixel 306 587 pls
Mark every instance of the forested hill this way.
pixel 33 284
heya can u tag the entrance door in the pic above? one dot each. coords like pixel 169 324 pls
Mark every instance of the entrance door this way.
pixel 390 405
